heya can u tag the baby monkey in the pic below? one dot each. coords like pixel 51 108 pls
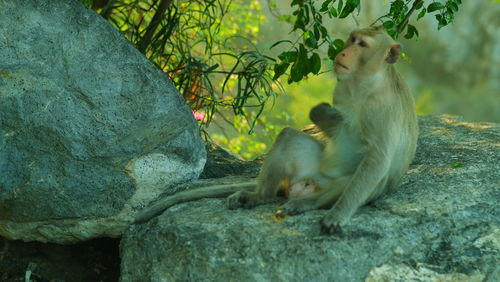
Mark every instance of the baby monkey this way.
pixel 292 167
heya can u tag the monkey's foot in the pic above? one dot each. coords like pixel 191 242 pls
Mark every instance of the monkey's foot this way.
pixel 332 222
pixel 240 199
pixel 296 206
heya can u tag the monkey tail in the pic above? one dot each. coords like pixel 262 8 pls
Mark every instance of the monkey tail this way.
pixel 215 191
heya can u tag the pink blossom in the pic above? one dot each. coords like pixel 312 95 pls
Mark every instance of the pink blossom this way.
pixel 198 115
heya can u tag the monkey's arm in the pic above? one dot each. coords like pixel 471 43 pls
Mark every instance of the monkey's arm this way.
pixel 215 191
pixel 326 117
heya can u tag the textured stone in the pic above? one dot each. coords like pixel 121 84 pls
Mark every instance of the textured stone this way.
pixel 419 273
pixel 90 130
pixel 222 163
pixel 443 223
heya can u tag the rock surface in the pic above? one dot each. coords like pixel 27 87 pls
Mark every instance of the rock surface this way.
pixel 90 130
pixel 442 224
pixel 222 163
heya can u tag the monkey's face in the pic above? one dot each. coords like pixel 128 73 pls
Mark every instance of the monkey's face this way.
pixel 366 53
pixel 347 61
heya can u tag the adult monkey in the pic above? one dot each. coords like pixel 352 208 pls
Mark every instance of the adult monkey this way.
pixel 373 130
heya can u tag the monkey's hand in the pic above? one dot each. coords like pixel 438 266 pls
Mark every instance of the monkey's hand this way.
pixel 325 116
pixel 296 206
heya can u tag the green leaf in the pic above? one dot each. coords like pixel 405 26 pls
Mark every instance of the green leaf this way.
pixel 393 33
pixel 333 12
pixel 288 57
pixel 421 14
pixel 317 33
pixel 211 68
pixel 300 67
pixel 279 42
pixel 388 25
pixel 299 22
pixel 448 17
pixel 306 15
pixel 315 62
pixel 420 5
pixel 457 164
pixel 280 69
pixel 397 7
pixel 295 73
pixel 302 52
pixel 335 48
pixel 324 32
pixel 441 21
pixel 310 39
pixel 348 8
pixel 452 6
pixel 338 43
pixel 353 2
pixel 332 52
pixel 434 7
pixel 324 7
pixel 411 31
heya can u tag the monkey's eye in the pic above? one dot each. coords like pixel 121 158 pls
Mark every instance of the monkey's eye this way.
pixel 362 43
pixel 353 39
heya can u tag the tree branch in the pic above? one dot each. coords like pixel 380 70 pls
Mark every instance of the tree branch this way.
pixel 106 10
pixel 403 24
pixel 150 31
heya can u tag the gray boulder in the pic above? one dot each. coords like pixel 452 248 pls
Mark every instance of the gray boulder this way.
pixel 90 130
pixel 442 224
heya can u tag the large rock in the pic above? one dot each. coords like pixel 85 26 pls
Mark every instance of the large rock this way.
pixel 443 224
pixel 90 130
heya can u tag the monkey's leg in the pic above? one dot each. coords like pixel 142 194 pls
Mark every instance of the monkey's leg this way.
pixel 368 180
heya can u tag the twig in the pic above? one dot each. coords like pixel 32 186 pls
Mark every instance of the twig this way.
pixel 403 24
pixel 106 10
pixel 157 18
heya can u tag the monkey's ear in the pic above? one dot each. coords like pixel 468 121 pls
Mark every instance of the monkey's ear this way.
pixel 394 53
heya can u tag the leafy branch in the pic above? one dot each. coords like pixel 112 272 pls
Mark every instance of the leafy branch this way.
pixel 302 58
pixel 187 40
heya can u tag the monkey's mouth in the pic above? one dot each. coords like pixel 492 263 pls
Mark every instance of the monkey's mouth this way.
pixel 339 64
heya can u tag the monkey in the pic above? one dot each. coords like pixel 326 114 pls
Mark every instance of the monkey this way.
pixel 373 147
pixel 372 132
pixel 371 140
